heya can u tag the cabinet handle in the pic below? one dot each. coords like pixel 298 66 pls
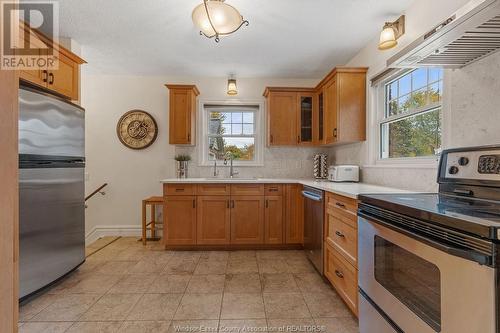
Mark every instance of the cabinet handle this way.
pixel 339 274
pixel 273 189
pixel 179 190
pixel 189 137
pixel 341 205
pixel 271 138
pixel 194 203
pixel 232 203
pixel 334 132
pixel 338 233
pixel 45 75
pixel 51 78
pixel 228 204
pixel 298 138
pixel 267 203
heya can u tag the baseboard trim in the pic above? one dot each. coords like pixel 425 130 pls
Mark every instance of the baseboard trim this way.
pixel 112 230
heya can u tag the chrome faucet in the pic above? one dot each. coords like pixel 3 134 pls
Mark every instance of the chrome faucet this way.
pixel 232 172
pixel 216 172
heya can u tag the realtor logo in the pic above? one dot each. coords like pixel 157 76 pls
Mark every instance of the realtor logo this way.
pixel 23 48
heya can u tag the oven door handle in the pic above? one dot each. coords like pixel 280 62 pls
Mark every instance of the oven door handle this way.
pixel 471 255
pixel 311 196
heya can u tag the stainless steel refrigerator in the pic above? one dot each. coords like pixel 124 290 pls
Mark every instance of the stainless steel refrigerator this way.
pixel 51 189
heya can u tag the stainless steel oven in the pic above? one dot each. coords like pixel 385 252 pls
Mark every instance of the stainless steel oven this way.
pixel 412 283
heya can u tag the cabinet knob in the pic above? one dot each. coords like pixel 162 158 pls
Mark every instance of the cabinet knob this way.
pixel 45 75
pixel 51 78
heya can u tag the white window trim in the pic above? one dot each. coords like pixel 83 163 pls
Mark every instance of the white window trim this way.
pixel 377 99
pixel 259 132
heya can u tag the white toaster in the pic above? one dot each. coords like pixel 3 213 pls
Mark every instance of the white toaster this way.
pixel 343 173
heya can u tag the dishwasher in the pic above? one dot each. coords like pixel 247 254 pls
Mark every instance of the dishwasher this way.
pixel 313 226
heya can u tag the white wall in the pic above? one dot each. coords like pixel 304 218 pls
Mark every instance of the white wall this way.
pixel 133 175
pixel 470 103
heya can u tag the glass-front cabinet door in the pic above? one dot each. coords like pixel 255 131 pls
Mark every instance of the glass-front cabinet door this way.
pixel 306 118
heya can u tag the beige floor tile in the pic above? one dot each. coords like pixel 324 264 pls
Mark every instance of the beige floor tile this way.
pixel 194 326
pixel 243 283
pixel 169 283
pixel 108 254
pixel 64 285
pixel 95 327
pixel 90 266
pixel 242 306
pixel 300 265
pixel 199 306
pixel 180 266
pixel 202 284
pixel 192 255
pixel 94 284
pixel 271 254
pixel 241 255
pixel 147 266
pixel 67 307
pixel 34 306
pixel 242 325
pixel 46 327
pixel 278 283
pixel 215 255
pixel 285 305
pixel 145 327
pixel 111 307
pixel 292 325
pixel 312 283
pixel 326 304
pixel 206 266
pixel 248 265
pixel 273 266
pixel 155 307
pixel 338 325
pixel 133 284
pixel 133 254
pixel 116 267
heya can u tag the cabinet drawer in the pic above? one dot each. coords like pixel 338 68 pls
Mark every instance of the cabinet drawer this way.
pixel 213 189
pixel 337 204
pixel 179 189
pixel 273 189
pixel 344 238
pixel 247 189
pixel 343 276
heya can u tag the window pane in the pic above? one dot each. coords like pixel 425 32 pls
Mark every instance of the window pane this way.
pixel 237 129
pixel 248 129
pixel 248 117
pixel 242 149
pixel 215 123
pixel 392 92
pixel 405 85
pixel 418 135
pixel 419 78
pixel 404 104
pixel 435 74
pixel 237 117
pixel 226 117
pixel 435 92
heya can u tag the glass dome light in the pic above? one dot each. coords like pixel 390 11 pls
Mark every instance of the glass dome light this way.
pixel 231 87
pixel 387 38
pixel 215 18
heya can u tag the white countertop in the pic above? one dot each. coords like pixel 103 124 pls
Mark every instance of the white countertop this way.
pixel 351 190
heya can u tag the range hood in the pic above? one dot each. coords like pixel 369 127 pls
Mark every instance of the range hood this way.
pixel 471 33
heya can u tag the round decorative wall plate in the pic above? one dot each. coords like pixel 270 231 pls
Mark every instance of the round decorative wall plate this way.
pixel 137 129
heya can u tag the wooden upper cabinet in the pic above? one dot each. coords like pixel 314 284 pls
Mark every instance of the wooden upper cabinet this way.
pixel 282 118
pixel 180 220
pixel 182 114
pixel 307 118
pixel 342 104
pixel 213 220
pixel 247 220
pixel 63 80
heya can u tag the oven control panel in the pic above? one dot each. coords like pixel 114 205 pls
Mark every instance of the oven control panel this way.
pixel 473 164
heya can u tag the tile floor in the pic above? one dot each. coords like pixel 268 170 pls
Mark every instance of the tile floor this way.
pixel 126 287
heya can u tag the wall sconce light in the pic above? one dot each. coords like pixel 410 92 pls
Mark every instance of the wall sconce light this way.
pixel 232 89
pixel 391 32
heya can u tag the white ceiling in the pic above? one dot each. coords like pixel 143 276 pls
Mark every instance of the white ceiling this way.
pixel 285 38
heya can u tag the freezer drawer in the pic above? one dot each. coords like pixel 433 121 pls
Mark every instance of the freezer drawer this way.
pixel 52 226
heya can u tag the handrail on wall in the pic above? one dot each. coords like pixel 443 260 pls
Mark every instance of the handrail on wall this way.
pixel 98 190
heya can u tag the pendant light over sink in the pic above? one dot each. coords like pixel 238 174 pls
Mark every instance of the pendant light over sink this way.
pixel 216 18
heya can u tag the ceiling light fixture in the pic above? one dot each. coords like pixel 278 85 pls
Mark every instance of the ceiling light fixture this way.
pixel 391 32
pixel 216 18
pixel 232 89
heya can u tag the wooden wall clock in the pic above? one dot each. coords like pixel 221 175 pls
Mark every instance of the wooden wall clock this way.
pixel 137 129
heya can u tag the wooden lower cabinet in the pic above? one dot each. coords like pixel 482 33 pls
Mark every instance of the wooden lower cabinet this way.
pixel 343 276
pixel 294 214
pixel 273 220
pixel 213 220
pixel 179 220
pixel 247 220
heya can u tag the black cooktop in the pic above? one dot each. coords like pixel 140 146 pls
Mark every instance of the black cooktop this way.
pixel 475 216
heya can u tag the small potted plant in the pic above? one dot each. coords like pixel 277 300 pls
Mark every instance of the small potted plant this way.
pixel 182 165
